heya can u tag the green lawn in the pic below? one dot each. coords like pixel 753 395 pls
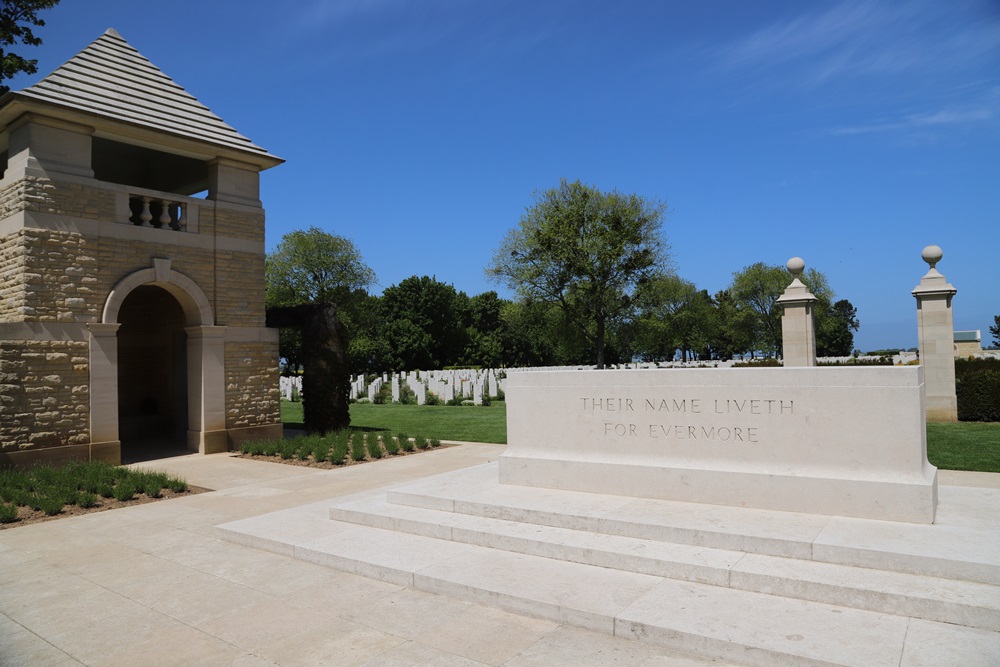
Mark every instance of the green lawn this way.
pixel 962 446
pixel 444 422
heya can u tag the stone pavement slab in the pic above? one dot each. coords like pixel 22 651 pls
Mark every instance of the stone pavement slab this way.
pixel 839 591
pixel 153 585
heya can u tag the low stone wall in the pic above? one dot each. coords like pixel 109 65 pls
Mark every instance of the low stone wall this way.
pixel 834 441
pixel 252 394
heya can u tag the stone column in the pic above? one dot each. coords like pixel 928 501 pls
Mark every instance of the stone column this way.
pixel 104 442
pixel 206 367
pixel 936 339
pixel 798 336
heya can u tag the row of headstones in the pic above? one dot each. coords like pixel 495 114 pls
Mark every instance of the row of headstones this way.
pixel 446 385
pixel 474 385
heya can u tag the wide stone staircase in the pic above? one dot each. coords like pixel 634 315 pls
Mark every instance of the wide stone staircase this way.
pixel 750 587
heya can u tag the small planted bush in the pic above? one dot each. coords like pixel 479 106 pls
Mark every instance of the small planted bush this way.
pixel 49 490
pixel 405 443
pixel 321 451
pixel 434 442
pixel 51 506
pixel 253 447
pixel 374 446
pixel 358 449
pixel 177 485
pixel 8 513
pixel 391 445
pixel 338 453
pixel 420 442
pixel 287 449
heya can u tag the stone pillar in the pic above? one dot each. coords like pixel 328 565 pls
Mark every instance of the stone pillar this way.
pixel 104 442
pixel 206 367
pixel 798 336
pixel 42 145
pixel 234 182
pixel 936 339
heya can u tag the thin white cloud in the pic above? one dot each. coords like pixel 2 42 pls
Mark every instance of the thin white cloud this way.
pixel 919 121
pixel 329 13
pixel 865 38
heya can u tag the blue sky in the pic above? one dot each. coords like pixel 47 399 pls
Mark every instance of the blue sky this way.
pixel 851 134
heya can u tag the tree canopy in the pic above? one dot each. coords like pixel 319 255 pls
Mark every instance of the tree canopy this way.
pixel 586 251
pixel 995 330
pixel 424 320
pixel 755 290
pixel 314 266
pixel 16 20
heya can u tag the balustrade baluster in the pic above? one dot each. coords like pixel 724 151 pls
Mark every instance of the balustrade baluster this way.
pixel 164 212
pixel 145 216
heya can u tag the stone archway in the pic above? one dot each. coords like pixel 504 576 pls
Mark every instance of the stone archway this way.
pixel 152 372
pixel 204 352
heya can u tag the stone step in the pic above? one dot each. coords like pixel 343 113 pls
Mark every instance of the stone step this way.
pixel 964 603
pixel 742 627
pixel 952 548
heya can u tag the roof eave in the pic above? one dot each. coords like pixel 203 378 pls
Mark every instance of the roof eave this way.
pixel 14 104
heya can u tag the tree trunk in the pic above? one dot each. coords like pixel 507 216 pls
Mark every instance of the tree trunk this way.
pixel 326 379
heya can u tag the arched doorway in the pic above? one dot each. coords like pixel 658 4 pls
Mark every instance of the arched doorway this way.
pixel 167 305
pixel 152 374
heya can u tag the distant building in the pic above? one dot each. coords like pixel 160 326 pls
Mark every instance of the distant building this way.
pixel 131 267
pixel 968 343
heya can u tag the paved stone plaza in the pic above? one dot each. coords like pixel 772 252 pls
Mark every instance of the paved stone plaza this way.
pixel 152 585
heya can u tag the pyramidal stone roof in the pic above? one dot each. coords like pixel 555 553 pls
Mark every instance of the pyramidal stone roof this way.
pixel 112 79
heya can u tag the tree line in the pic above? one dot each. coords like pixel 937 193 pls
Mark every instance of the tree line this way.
pixel 593 283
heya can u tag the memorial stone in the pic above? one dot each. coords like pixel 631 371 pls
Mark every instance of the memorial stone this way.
pixel 835 441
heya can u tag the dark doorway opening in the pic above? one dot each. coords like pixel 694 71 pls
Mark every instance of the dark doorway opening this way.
pixel 152 376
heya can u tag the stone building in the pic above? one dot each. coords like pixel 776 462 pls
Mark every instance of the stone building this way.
pixel 131 267
pixel 968 343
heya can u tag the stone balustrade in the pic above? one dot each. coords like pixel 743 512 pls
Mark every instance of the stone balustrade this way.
pixel 158 212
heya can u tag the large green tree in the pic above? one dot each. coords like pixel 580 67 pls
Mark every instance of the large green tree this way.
pixel 756 289
pixel 423 320
pixel 16 20
pixel 586 251
pixel 674 315
pixel 995 330
pixel 735 333
pixel 315 266
pixel 835 330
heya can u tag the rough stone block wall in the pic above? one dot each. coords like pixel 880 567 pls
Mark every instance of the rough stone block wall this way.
pixel 13 199
pixel 12 292
pixel 59 198
pixel 60 276
pixel 252 394
pixel 44 394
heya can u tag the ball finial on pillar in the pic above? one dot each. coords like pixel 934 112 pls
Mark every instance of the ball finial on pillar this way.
pixel 932 254
pixel 795 266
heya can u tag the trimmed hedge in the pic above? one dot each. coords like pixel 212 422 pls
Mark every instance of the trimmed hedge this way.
pixel 977 387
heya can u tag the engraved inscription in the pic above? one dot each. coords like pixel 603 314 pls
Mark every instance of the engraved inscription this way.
pixel 687 409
